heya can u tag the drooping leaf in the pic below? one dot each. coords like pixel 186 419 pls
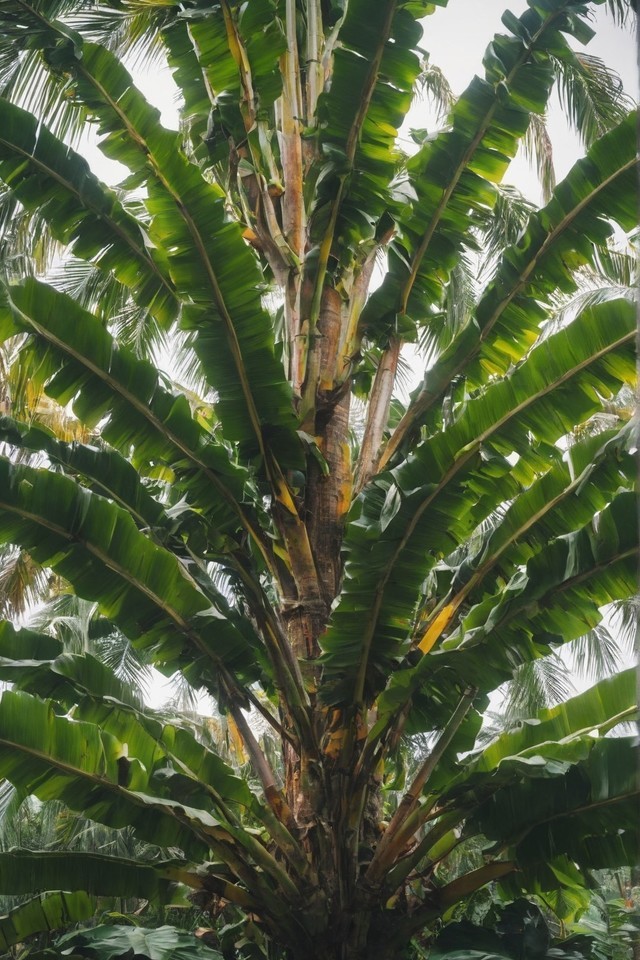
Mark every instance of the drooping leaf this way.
pixel 552 390
pixel 46 175
pixel 106 382
pixel 23 871
pixel 139 585
pixel 598 708
pixel 205 249
pixel 44 913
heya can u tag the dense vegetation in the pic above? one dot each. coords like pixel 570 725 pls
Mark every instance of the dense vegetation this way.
pixel 349 576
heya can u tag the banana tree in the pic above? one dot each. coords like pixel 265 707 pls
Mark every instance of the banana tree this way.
pixel 349 584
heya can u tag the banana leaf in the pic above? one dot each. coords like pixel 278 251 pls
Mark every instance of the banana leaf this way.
pixel 46 912
pixel 48 176
pixel 402 525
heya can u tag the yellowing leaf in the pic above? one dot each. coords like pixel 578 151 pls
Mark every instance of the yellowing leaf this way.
pixel 435 629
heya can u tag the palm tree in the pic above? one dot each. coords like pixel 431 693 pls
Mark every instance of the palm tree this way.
pixel 347 588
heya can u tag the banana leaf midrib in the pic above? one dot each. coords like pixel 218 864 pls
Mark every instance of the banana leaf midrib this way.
pixel 460 169
pixel 100 214
pixel 549 239
pixel 556 723
pixel 221 803
pixel 105 489
pixel 427 398
pixel 567 584
pixel 576 811
pixel 280 835
pixel 350 153
pixel 168 870
pixel 490 562
pixel 627 714
pixel 148 415
pixel 232 338
pixel 463 458
pixel 472 642
pixel 521 473
pixel 108 562
pixel 206 834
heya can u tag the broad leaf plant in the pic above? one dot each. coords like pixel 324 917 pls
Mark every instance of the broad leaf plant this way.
pixel 338 569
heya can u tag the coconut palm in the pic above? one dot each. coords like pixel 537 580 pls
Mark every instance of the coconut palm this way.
pixel 343 588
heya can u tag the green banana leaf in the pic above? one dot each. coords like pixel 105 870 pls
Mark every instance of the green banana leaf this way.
pixel 233 336
pixel 159 758
pixel 48 911
pixel 82 362
pixel 48 176
pixel 142 587
pixel 563 235
pixel 54 757
pixel 37 663
pixel 600 708
pixel 109 473
pixel 451 178
pixel 375 68
pixel 557 598
pixel 518 931
pixel 23 871
pixel 588 815
pixel 393 540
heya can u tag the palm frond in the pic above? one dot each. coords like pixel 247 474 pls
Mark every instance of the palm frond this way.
pixel 27 81
pixel 66 616
pixel 101 293
pixel 26 244
pixel 592 95
pixel 132 33
pixel 183 366
pixel 79 626
pixel 23 583
pixel 597 654
pixel 503 227
pixel 613 273
pixel 625 619
pixel 433 86
pixel 568 307
pixel 538 149
pixel 460 299
pixel 618 266
pixel 116 652
pixel 181 696
pixel 623 12
pixel 535 685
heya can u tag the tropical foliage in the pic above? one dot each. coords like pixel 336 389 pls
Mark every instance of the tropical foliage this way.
pixel 349 576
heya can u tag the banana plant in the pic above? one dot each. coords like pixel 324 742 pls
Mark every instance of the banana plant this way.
pixel 345 584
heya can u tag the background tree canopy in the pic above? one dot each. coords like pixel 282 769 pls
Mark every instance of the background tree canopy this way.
pixel 349 576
